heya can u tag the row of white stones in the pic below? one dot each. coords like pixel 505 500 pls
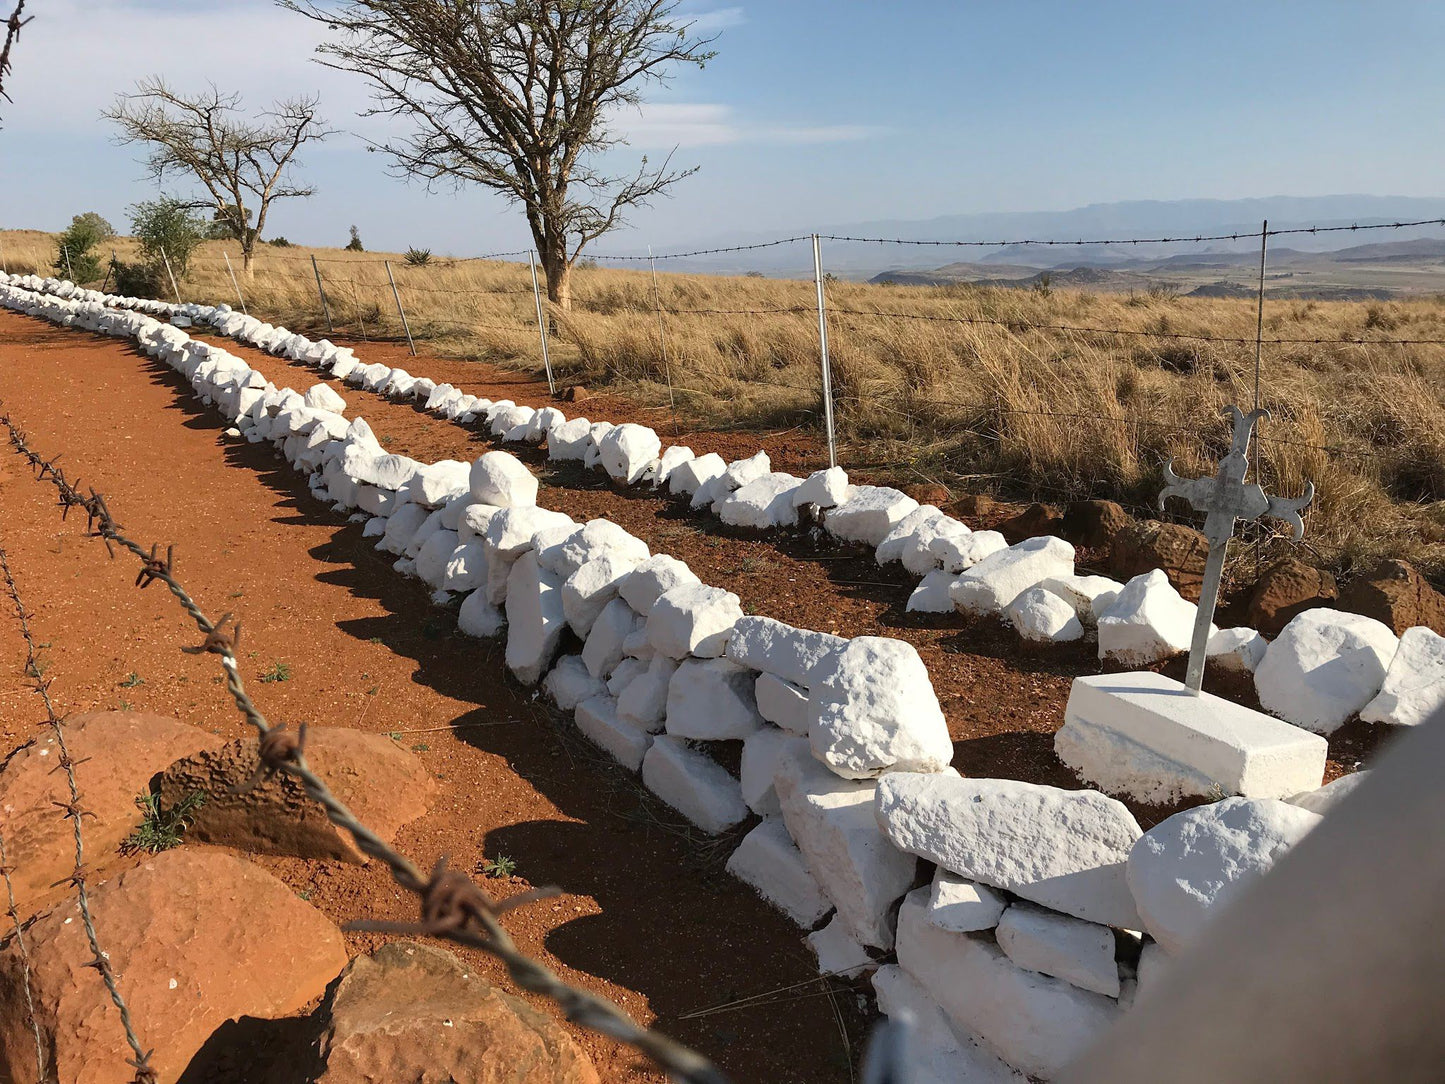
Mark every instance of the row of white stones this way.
pixel 1019 951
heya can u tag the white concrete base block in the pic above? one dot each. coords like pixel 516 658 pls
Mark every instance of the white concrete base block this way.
pixel 1145 736
pixel 693 784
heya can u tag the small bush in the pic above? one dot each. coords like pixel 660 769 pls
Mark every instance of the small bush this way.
pixel 354 245
pixel 73 256
pixel 279 242
pixel 161 829
pixel 137 280
pixel 167 231
pixel 278 671
pixel 418 257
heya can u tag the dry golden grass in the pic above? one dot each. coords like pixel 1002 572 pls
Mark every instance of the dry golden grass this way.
pixel 1023 411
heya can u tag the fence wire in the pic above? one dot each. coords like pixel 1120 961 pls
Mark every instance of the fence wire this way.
pixel 14 913
pixel 452 906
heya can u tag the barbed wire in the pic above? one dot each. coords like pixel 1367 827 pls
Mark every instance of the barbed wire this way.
pixel 705 251
pixel 14 914
pixel 452 906
pixel 75 812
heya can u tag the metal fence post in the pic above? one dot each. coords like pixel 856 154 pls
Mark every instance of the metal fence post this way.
pixel 823 344
pixel 167 261
pixel 541 325
pixel 109 268
pixel 400 311
pixel 325 308
pixel 232 272
pixel 662 339
pixel 356 301
pixel 3 266
pixel 65 251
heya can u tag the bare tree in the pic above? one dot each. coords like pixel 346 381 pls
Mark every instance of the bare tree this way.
pixel 12 35
pixel 518 96
pixel 243 164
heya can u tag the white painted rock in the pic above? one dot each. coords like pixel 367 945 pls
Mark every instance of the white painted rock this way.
pixel 401 527
pixel 436 483
pixel 643 702
pixel 693 619
pixel 432 558
pixel 918 554
pixel 989 586
pixel 824 488
pixel 693 784
pixel 712 700
pixel 628 450
pixel 628 672
pixel 773 647
pixel 891 548
pixel 762 504
pixel 478 617
pixel 502 479
pixel 769 861
pixel 669 461
pixel 512 531
pixel 762 751
pixel 959 553
pixel 838 954
pixel 625 743
pixel 1079 952
pixel 1324 667
pixel 959 905
pixel 1414 688
pixel 596 538
pixel 587 591
pixel 1148 622
pixel 569 440
pixel 1043 617
pixel 782 703
pixel 466 568
pixel 1037 1023
pixel 932 595
pixel 872 709
pixel 569 683
pixel 534 619
pixel 324 397
pixel 688 477
pixel 652 579
pixel 603 649
pixel 1322 799
pixel 831 820
pixel 868 515
pixel 1238 650
pixel 937 1052
pixel 1090 596
pixel 1186 869
pixel 1063 849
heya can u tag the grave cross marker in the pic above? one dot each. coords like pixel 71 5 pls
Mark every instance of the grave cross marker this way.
pixel 1225 498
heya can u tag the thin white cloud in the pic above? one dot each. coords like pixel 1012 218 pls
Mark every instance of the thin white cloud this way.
pixel 709 22
pixel 701 125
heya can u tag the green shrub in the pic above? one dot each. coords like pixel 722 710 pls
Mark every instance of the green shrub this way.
pixel 279 242
pixel 418 257
pixel 161 829
pixel 167 230
pixel 354 245
pixel 73 255
pixel 138 280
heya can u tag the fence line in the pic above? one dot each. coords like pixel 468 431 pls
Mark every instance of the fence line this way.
pixel 75 812
pixel 452 906
pixel 14 914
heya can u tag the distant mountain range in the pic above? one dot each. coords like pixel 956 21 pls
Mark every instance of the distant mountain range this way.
pixel 1132 219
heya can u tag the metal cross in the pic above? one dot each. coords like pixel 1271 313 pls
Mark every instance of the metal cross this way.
pixel 1225 498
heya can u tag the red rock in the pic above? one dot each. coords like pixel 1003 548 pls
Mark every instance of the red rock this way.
pixel 1179 550
pixel 1093 524
pixel 1394 592
pixel 195 937
pixel 116 754
pixel 413 1013
pixel 1036 519
pixel 575 394
pixel 976 506
pixel 929 493
pixel 1285 590
pixel 383 784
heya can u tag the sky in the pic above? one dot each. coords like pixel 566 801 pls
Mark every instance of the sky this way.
pixel 814 114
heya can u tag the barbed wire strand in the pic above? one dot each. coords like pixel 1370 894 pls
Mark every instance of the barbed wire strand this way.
pixel 14 913
pixel 140 1061
pixel 453 907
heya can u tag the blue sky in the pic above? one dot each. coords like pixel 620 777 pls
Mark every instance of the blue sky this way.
pixel 815 113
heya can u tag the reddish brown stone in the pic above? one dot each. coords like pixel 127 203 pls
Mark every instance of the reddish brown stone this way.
pixel 1036 519
pixel 1093 524
pixel 116 754
pixel 1285 590
pixel 195 937
pixel 1394 592
pixel 383 784
pixel 412 1012
pixel 1180 551
pixel 929 493
pixel 576 393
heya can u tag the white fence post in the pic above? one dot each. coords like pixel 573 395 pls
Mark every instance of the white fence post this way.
pixel 172 275
pixel 232 272
pixel 325 308
pixel 823 344
pixel 401 311
pixel 541 324
pixel 65 251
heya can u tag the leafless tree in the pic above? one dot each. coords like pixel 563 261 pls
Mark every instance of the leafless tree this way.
pixel 12 35
pixel 519 96
pixel 243 164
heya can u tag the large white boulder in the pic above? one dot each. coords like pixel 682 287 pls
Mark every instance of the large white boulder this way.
pixel 891 548
pixel 959 905
pixel 324 397
pixel 1148 622
pixel 1185 869
pixel 918 554
pixel 570 682
pixel 569 440
pixel 433 557
pixel 773 647
pixel 501 479
pixel 693 619
pixel 989 586
pixel 643 702
pixel 652 579
pixel 534 619
pixel 762 752
pixel 1079 952
pixel 933 594
pixel 693 784
pixel 958 553
pixel 762 504
pixel 627 744
pixel 769 861
pixel 436 483
pixel 1324 667
pixel 479 617
pixel 587 591
pixel 597 537
pixel 872 709
pixel 712 700
pixel 1237 650
pixel 1414 688
pixel 669 461
pixel 1090 596
pixel 1064 849
pixel 868 514
pixel 628 450
pixel 690 476
pixel 832 822
pixel 783 704
pixel 1043 617
pixel 824 488
pixel 401 527
pixel 1036 1023
pixel 602 650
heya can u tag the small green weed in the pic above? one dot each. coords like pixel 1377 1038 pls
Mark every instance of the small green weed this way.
pixel 277 671
pixel 502 866
pixel 132 680
pixel 161 829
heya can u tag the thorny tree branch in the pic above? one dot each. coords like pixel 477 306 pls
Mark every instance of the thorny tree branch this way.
pixel 144 1074
pixel 14 914
pixel 453 907
pixel 12 35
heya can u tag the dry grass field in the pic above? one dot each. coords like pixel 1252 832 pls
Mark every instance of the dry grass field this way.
pixel 999 404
